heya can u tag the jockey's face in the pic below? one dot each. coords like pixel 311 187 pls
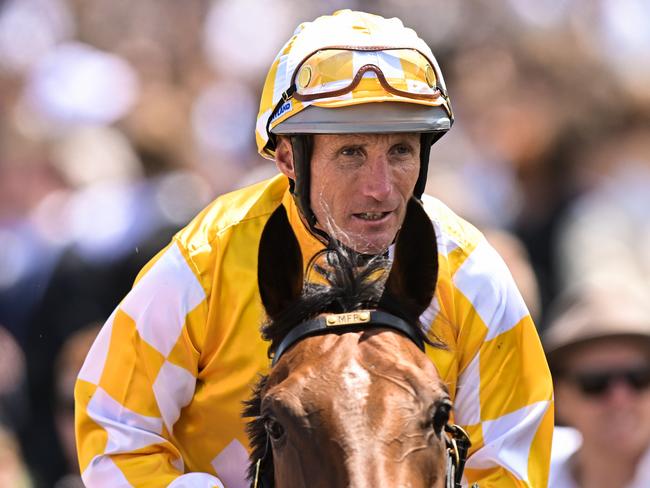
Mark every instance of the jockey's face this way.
pixel 360 185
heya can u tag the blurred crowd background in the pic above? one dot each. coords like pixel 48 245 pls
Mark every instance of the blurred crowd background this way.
pixel 119 120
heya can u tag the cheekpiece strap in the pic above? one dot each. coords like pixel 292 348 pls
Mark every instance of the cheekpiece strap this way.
pixel 458 445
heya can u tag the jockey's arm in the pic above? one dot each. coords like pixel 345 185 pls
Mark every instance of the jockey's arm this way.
pixel 136 379
pixel 504 392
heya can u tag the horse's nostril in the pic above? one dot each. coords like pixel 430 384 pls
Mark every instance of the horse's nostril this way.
pixel 274 428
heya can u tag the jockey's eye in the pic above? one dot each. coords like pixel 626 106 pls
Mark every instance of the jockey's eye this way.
pixel 440 416
pixel 273 428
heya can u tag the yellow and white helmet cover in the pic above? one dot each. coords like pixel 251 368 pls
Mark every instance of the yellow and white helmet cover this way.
pixel 344 60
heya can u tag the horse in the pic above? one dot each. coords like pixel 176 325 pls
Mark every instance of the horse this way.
pixel 351 399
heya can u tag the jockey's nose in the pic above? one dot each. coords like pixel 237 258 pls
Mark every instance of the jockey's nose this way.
pixel 377 179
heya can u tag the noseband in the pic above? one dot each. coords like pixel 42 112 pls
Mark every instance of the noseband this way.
pixel 456 439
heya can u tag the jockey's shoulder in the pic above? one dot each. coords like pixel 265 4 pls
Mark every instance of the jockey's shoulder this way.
pixel 452 231
pixel 249 204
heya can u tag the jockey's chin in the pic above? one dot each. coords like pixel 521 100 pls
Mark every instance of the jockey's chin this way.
pixel 367 237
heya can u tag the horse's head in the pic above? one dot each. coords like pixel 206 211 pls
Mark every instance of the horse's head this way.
pixel 351 400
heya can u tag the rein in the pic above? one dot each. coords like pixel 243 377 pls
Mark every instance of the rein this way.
pixel 456 439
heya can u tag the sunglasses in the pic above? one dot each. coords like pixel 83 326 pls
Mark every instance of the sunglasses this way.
pixel 596 383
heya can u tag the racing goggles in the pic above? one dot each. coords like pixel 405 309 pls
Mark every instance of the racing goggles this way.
pixel 338 71
pixel 333 72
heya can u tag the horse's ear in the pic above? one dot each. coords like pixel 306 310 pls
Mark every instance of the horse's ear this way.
pixel 413 275
pixel 279 264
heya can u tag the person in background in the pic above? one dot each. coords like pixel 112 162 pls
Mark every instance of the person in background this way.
pixel 13 414
pixel 13 471
pixel 598 347
pixel 67 364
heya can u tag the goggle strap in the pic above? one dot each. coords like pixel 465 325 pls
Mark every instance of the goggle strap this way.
pixel 284 98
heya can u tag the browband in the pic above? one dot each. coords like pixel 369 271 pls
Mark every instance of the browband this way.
pixel 347 322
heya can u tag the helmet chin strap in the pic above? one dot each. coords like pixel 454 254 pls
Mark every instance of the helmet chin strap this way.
pixel 302 146
pixel 426 141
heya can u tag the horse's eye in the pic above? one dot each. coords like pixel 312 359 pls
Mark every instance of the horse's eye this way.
pixel 441 416
pixel 274 428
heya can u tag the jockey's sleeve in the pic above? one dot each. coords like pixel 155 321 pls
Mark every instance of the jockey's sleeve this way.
pixel 140 372
pixel 504 392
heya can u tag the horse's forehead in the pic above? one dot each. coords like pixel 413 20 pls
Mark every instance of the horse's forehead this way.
pixel 355 384
pixel 388 351
pixel 354 366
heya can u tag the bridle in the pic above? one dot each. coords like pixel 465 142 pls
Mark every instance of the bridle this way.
pixel 346 322
pixel 456 439
pixel 458 444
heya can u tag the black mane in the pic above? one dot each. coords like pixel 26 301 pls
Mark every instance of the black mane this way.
pixel 347 286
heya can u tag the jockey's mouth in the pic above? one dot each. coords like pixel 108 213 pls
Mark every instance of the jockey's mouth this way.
pixel 372 216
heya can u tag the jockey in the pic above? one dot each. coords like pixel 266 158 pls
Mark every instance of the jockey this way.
pixel 349 111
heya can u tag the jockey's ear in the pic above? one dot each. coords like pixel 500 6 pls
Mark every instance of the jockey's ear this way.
pixel 279 264
pixel 412 278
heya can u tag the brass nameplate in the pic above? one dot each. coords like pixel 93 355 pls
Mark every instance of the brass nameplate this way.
pixel 359 317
